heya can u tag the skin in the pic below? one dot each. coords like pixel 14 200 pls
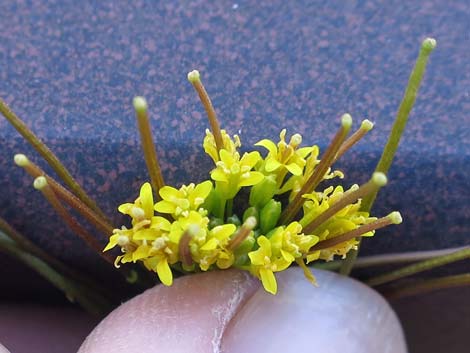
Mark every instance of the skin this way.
pixel 229 312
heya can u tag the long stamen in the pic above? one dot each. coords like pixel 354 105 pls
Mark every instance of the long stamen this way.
pixel 184 250
pixel 242 233
pixel 41 184
pixel 377 181
pixel 398 127
pixel 150 154
pixel 49 156
pixel 319 172
pixel 195 78
pixel 392 218
pixel 65 195
pixel 366 126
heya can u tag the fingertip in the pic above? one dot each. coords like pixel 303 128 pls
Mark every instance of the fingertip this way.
pixel 189 316
pixel 341 315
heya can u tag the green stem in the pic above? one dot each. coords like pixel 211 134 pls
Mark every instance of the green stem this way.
pixel 26 245
pixel 430 286
pixel 398 128
pixel 49 156
pixel 420 267
pixel 229 208
pixel 92 302
pixel 388 259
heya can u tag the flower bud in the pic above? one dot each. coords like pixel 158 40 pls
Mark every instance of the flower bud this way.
pixel 269 216
pixel 264 191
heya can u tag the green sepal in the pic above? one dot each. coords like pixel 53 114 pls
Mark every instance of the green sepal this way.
pixel 264 191
pixel 269 216
pixel 251 212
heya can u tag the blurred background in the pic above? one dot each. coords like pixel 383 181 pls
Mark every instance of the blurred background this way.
pixel 70 69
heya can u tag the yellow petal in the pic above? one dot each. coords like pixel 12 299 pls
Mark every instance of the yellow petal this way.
pixel 203 189
pixel 219 175
pixel 146 234
pixel 294 169
pixel 226 157
pixel 269 145
pixel 271 165
pixel 168 193
pixel 141 252
pixel 125 208
pixel 113 239
pixel 146 200
pixel 287 256
pixel 303 152
pixel 210 245
pixel 165 207
pixel 164 272
pixel 250 159
pixel 312 257
pixel 269 280
pixel 253 179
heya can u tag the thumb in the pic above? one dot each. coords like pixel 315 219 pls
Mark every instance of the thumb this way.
pixel 228 311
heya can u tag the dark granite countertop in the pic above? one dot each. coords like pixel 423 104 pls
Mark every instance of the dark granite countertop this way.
pixel 71 68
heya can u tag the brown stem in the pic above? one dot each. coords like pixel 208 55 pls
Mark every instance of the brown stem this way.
pixel 366 126
pixel 327 159
pixel 393 218
pixel 242 233
pixel 148 147
pixel 195 79
pixel 378 180
pixel 41 184
pixel 95 219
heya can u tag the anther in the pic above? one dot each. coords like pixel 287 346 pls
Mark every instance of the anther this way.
pixel 21 160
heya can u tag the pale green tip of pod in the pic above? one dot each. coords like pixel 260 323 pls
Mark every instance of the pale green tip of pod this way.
pixel 395 217
pixel 379 179
pixel 250 223
pixel 296 140
pixel 428 44
pixel 21 160
pixel 140 104
pixel 194 76
pixel 346 121
pixel 40 183
pixel 367 125
pixel 193 229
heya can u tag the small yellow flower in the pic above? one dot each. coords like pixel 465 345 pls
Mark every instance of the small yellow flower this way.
pixel 142 208
pixel 296 182
pixel 232 173
pixel 290 240
pixel 265 261
pixel 230 145
pixel 347 219
pixel 213 249
pixel 156 250
pixel 284 156
pixel 179 202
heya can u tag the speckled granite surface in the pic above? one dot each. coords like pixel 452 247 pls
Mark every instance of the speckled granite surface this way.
pixel 70 69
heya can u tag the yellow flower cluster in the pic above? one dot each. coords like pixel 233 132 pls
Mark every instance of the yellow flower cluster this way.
pixel 194 228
